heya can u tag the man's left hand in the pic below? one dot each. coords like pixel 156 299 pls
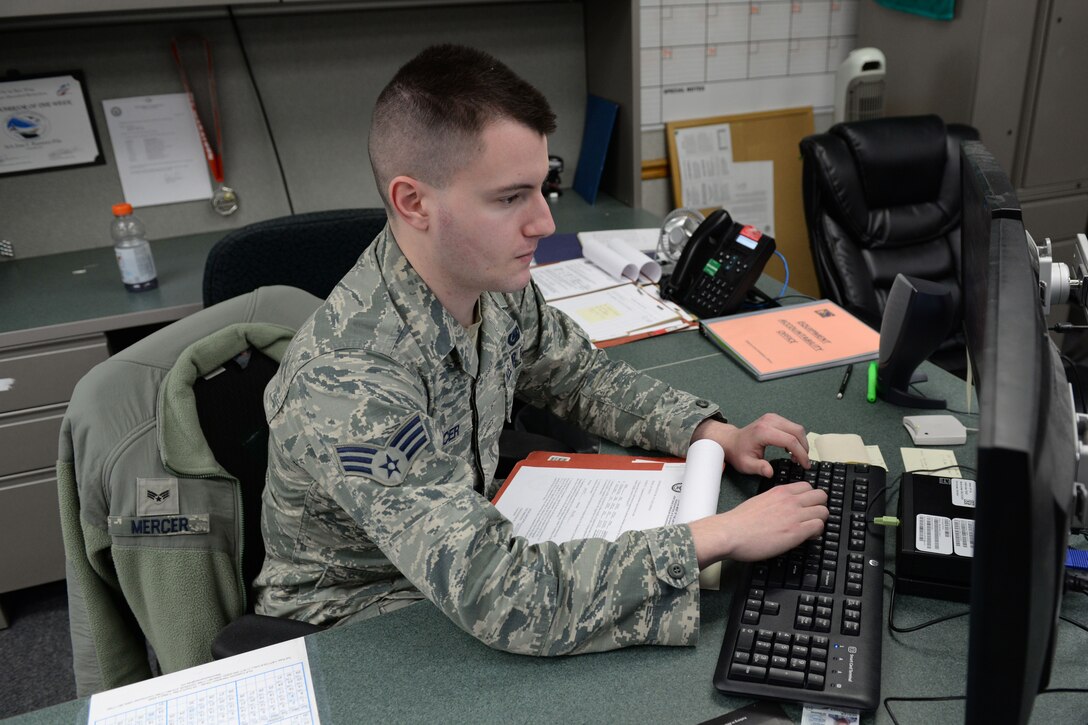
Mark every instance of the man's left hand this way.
pixel 744 447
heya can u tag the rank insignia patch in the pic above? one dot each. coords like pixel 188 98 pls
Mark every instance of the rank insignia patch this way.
pixel 157 496
pixel 386 465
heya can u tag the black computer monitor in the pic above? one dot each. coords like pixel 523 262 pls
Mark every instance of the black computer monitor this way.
pixel 1026 453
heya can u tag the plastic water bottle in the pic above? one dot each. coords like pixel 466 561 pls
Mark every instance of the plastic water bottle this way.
pixel 132 250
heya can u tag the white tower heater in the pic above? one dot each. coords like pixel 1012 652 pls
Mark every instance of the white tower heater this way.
pixel 859 86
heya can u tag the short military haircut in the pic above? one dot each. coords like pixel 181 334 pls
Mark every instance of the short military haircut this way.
pixel 427 122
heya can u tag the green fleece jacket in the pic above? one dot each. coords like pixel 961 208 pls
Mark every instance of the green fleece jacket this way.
pixel 151 522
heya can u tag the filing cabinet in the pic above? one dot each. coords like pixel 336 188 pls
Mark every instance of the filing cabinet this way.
pixel 36 381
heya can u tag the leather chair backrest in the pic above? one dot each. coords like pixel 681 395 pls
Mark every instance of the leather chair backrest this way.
pixel 882 197
pixel 309 251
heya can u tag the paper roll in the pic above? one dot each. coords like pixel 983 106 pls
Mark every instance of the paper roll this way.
pixel 701 486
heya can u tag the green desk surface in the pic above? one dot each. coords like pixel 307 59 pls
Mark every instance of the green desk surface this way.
pixel 76 293
pixel 415 665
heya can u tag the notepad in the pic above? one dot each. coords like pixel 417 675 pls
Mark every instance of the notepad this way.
pixel 844 448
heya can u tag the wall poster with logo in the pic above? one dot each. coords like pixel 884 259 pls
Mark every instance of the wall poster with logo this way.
pixel 46 123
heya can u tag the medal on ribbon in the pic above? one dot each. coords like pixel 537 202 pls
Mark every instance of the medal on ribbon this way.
pixel 225 199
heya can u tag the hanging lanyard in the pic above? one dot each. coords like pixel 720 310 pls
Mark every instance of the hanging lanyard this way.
pixel 225 200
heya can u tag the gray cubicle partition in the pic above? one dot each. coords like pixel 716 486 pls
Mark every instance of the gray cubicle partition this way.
pixel 317 71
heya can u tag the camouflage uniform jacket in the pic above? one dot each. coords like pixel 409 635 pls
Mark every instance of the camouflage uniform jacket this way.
pixel 384 426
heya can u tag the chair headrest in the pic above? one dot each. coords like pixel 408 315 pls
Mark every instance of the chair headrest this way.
pixel 892 182
pixel 899 160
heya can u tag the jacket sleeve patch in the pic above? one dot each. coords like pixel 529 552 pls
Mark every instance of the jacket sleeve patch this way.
pixel 387 464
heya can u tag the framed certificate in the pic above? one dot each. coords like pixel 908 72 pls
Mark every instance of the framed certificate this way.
pixel 46 123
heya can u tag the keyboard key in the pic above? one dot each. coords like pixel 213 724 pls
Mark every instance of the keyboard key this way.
pixel 790 678
pixel 851 628
pixel 818 654
pixel 814 682
pixel 750 616
pixel 749 673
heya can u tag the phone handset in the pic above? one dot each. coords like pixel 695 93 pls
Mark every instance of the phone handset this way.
pixel 713 228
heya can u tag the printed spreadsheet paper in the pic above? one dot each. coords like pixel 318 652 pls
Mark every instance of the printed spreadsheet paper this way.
pixel 268 685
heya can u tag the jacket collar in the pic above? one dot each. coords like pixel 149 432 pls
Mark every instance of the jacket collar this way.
pixel 182 445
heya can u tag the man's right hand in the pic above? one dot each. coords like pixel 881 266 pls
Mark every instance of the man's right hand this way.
pixel 764 526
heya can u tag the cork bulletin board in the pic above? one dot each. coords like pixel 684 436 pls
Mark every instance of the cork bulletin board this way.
pixel 766 136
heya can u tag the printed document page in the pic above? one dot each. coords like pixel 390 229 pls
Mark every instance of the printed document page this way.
pixel 562 504
pixel 619 312
pixel 559 501
pixel 268 685
pixel 572 277
pixel 157 147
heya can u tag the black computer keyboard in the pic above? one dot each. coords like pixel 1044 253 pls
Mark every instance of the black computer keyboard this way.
pixel 806 625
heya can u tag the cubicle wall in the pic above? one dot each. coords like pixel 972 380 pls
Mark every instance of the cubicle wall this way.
pixel 317 73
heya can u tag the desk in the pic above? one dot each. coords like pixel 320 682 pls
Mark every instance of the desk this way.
pixel 414 665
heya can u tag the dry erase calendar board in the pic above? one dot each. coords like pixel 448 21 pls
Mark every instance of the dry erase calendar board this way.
pixel 739 141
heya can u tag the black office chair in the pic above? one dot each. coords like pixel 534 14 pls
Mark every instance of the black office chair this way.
pixel 308 251
pixel 882 197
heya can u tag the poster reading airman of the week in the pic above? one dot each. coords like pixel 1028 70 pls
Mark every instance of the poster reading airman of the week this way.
pixel 45 124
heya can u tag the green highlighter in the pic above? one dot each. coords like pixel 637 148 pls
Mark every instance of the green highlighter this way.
pixel 870 394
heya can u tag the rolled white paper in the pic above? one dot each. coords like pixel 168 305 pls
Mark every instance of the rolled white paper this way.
pixel 699 492
pixel 702 481
pixel 620 259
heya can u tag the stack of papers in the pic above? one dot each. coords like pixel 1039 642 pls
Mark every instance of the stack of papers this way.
pixel 611 291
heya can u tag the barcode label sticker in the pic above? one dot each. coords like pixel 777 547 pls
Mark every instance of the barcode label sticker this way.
pixel 963 536
pixel 963 492
pixel 933 534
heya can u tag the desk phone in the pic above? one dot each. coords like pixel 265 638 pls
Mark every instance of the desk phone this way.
pixel 719 264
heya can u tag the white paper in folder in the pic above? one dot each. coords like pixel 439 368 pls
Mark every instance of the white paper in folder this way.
pixel 553 497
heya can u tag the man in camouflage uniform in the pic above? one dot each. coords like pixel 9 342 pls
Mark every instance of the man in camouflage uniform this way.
pixel 386 411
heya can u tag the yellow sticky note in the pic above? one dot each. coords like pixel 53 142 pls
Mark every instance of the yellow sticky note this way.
pixel 598 313
pixel 940 461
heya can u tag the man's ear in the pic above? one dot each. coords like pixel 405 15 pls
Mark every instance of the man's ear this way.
pixel 406 196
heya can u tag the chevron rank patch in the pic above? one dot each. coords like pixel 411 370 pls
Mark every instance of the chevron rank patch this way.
pixel 387 465
pixel 157 496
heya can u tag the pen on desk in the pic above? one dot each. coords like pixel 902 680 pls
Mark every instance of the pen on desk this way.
pixel 845 380
pixel 870 394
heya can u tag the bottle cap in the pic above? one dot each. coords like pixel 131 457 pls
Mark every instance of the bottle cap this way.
pixel 122 209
